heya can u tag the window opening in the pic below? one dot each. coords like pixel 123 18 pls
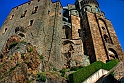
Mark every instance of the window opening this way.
pixel 35 10
pixel 31 22
pixel 38 0
pixel 5 29
pixel 29 3
pixel 97 9
pixel 48 11
pixel 107 39
pixel 11 17
pixel 112 54
pixel 103 28
pixel 16 7
pixel 21 34
pixel 23 15
pixel 85 9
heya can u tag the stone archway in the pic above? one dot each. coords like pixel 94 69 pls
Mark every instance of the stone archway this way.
pixel 112 54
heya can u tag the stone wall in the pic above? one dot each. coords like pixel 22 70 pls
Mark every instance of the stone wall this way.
pixel 38 23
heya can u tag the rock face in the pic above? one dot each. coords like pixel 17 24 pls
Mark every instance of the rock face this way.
pixel 22 63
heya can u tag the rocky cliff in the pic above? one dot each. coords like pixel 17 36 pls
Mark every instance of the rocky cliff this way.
pixel 21 63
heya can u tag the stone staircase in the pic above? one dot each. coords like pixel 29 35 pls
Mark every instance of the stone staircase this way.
pixel 102 76
pixel 96 76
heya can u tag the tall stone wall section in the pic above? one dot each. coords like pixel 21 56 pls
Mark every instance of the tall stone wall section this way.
pixel 38 23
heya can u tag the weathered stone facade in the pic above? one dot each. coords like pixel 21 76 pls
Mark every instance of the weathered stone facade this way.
pixel 38 23
pixel 78 37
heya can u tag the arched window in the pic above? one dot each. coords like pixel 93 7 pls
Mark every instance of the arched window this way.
pixel 97 9
pixel 85 9
pixel 112 54
pixel 19 28
pixel 67 32
pixel 106 38
pixel 103 28
pixel 21 35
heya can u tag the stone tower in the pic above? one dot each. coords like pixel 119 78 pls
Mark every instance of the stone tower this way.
pixel 38 22
pixel 90 33
pixel 99 38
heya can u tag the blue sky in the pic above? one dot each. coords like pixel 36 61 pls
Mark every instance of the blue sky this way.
pixel 113 9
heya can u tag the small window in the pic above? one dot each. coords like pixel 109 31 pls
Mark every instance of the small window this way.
pixel 23 15
pixel 35 10
pixel 21 35
pixel 103 28
pixel 48 11
pixel 31 22
pixel 79 31
pixel 38 0
pixel 11 17
pixel 97 9
pixel 5 29
pixel 85 9
pixel 29 3
pixel 107 39
pixel 16 7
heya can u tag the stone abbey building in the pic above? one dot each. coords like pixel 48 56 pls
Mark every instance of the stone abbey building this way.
pixel 75 35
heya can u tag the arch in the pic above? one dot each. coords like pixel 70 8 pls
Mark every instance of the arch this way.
pixel 112 54
pixel 67 41
pixel 66 24
pixel 19 28
pixel 67 32
pixel 97 9
pixel 87 8
pixel 106 38
pixel 21 35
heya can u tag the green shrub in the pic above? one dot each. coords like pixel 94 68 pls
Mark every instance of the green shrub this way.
pixel 17 64
pixel 75 68
pixel 54 69
pixel 30 50
pixel 7 72
pixel 63 72
pixel 41 77
pixel 50 64
pixel 2 64
pixel 22 55
pixel 23 42
pixel 18 47
pixel 12 68
pixel 41 57
pixel 82 74
pixel 29 81
pixel 1 77
pixel 12 45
